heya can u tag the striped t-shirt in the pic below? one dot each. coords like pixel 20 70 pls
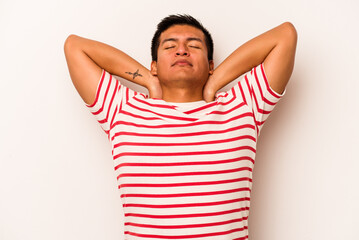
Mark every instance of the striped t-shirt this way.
pixel 184 171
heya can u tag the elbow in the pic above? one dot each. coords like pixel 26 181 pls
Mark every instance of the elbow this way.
pixel 70 42
pixel 290 31
pixel 288 34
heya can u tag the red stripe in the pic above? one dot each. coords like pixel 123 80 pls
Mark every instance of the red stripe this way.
pixel 267 83
pixel 250 88
pixel 229 110
pixel 182 134
pixel 186 236
pixel 176 195
pixel 113 116
pixel 166 164
pixel 121 104
pixel 241 238
pixel 247 114
pixel 260 89
pixel 260 123
pixel 258 108
pixel 142 94
pixel 187 205
pixel 227 102
pixel 181 174
pixel 112 98
pixel 99 89
pixel 175 154
pixel 223 95
pixel 127 94
pixel 191 215
pixel 201 108
pixel 110 105
pixel 161 185
pixel 162 115
pixel 102 121
pixel 242 93
pixel 167 144
pixel 233 93
pixel 186 226
pixel 104 99
pixel 122 112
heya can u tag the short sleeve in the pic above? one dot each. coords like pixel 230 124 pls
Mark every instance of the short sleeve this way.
pixel 107 101
pixel 257 94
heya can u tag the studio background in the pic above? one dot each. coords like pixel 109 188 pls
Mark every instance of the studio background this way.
pixel 56 172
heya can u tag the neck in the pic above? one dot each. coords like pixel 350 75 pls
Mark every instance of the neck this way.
pixel 182 94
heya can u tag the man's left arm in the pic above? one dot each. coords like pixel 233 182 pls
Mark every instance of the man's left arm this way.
pixel 274 48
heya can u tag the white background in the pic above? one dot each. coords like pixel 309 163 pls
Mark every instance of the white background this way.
pixel 56 172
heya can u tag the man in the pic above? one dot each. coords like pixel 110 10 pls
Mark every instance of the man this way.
pixel 184 154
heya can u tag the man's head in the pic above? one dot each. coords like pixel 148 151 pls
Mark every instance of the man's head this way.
pixel 172 20
pixel 182 52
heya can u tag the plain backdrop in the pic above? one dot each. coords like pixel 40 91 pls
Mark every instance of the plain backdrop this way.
pixel 56 173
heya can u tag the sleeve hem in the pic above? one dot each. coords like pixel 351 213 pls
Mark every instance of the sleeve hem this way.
pixel 98 89
pixel 270 89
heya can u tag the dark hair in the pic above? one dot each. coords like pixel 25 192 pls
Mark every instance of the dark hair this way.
pixel 179 19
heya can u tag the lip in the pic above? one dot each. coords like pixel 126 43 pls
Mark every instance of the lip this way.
pixel 182 62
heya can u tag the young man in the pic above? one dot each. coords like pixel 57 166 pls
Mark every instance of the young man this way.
pixel 184 155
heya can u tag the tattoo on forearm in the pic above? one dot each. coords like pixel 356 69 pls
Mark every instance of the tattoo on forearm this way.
pixel 135 74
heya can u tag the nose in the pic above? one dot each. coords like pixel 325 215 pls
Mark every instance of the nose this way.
pixel 182 50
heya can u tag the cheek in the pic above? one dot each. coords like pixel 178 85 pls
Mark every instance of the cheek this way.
pixel 163 60
pixel 163 68
pixel 203 62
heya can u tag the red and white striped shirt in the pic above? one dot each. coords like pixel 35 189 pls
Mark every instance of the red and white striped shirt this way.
pixel 184 171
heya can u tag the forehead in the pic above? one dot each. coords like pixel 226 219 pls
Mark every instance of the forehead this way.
pixel 182 31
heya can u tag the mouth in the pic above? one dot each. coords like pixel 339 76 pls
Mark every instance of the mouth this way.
pixel 182 63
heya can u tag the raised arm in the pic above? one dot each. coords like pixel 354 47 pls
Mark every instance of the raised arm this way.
pixel 86 59
pixel 274 48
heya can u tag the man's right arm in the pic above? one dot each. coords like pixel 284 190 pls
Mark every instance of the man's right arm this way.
pixel 86 58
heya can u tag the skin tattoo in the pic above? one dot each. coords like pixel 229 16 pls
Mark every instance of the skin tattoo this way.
pixel 135 74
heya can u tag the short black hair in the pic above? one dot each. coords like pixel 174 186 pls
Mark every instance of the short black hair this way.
pixel 180 19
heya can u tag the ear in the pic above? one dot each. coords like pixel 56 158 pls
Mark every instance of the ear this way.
pixel 154 68
pixel 211 67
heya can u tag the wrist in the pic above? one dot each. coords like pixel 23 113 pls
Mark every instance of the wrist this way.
pixel 153 86
pixel 149 80
pixel 209 90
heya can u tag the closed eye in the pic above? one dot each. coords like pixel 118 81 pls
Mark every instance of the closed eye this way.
pixel 169 47
pixel 195 47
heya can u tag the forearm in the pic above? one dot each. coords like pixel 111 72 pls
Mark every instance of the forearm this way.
pixel 112 60
pixel 249 55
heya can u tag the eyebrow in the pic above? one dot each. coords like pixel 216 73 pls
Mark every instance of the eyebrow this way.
pixel 176 39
